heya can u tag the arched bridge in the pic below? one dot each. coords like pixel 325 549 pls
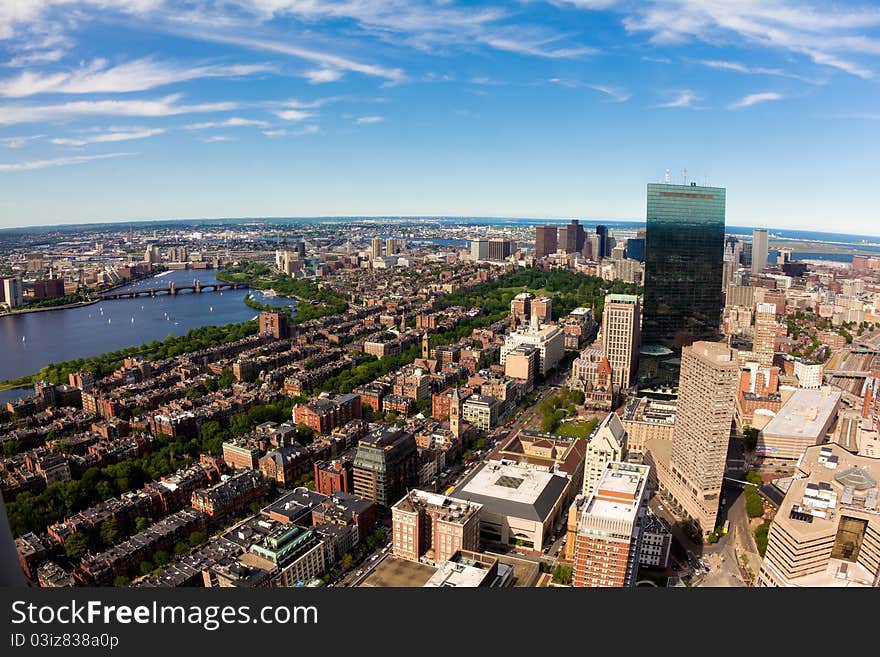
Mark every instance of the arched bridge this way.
pixel 197 288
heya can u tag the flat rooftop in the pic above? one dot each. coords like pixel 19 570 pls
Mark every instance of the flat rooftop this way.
pixel 805 414
pixel 626 485
pixel 510 490
pixel 459 574
pixel 395 572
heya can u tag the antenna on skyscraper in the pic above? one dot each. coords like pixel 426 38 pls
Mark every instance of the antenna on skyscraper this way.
pixel 685 174
pixel 666 177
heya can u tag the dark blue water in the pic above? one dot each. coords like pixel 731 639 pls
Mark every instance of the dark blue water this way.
pixel 59 335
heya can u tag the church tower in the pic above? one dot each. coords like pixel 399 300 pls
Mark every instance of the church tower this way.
pixel 455 413
pixel 426 346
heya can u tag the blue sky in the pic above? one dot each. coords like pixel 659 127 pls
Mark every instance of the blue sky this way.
pixel 153 109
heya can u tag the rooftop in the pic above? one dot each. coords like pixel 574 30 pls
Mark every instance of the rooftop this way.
pixel 805 414
pixel 508 489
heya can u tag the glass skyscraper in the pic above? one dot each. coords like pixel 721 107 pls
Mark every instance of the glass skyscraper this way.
pixel 683 265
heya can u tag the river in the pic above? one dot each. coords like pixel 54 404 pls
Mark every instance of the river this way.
pixel 30 341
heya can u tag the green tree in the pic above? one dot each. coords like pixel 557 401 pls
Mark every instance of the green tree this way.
pixel 346 562
pixel 227 378
pixel 750 437
pixel 75 546
pixel 141 523
pixel 180 548
pixel 146 567
pixel 109 532
pixel 121 581
pixel 562 574
pixel 160 558
pixel 197 538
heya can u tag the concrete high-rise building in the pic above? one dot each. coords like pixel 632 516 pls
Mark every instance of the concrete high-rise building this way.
pixel 609 529
pixel 385 465
pixel 545 241
pixel 541 311
pixel 607 445
pixel 152 255
pixel 707 390
pixel 745 254
pixel 548 339
pixel 764 343
pixel 635 248
pixel 376 246
pixel 604 250
pixel 500 249
pixel 620 337
pixel 11 288
pixel 429 527
pixel 479 249
pixel 521 309
pixel 827 529
pixel 392 246
pixel 571 237
pixel 759 250
pixel 683 264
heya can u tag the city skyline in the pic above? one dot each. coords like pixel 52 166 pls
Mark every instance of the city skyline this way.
pixel 144 111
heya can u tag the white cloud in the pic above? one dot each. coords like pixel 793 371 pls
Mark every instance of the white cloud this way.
pixel 364 120
pixel 232 122
pixel 215 138
pixel 99 77
pixel 294 115
pixel 113 135
pixel 284 132
pixel 167 106
pixel 684 99
pixel 824 33
pixel 616 94
pixel 36 57
pixel 57 162
pixel 754 99
pixel 19 141
pixel 323 75
pixel 751 70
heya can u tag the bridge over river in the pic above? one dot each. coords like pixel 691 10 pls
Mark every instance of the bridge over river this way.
pixel 173 290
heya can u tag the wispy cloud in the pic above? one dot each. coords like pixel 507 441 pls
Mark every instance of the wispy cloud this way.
pixel 300 132
pixel 614 93
pixel 323 75
pixel 215 138
pixel 57 162
pixel 685 98
pixel 168 106
pixel 751 70
pixel 113 135
pixel 826 33
pixel 36 57
pixel 19 141
pixel 99 77
pixel 363 120
pixel 754 99
pixel 295 115
pixel 232 122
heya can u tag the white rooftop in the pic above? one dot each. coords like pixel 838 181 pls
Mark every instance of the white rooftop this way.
pixel 627 484
pixel 510 482
pixel 805 414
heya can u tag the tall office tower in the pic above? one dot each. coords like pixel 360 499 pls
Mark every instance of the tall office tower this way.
pixel 683 267
pixel 386 464
pixel 609 529
pixel 545 241
pixel 299 248
pixel 11 288
pixel 479 249
pixel 784 256
pixel 571 237
pixel 541 311
pixel 521 309
pixel 376 244
pixel 391 246
pixel 759 250
pixel 591 247
pixel 764 344
pixel 745 254
pixel 500 249
pixel 152 254
pixel 602 232
pixel 707 388
pixel 620 337
pixel 635 248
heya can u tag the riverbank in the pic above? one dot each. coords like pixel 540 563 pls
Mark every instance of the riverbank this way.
pixel 25 311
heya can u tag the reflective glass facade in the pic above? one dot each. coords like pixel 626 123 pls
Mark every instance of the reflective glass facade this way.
pixel 683 265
